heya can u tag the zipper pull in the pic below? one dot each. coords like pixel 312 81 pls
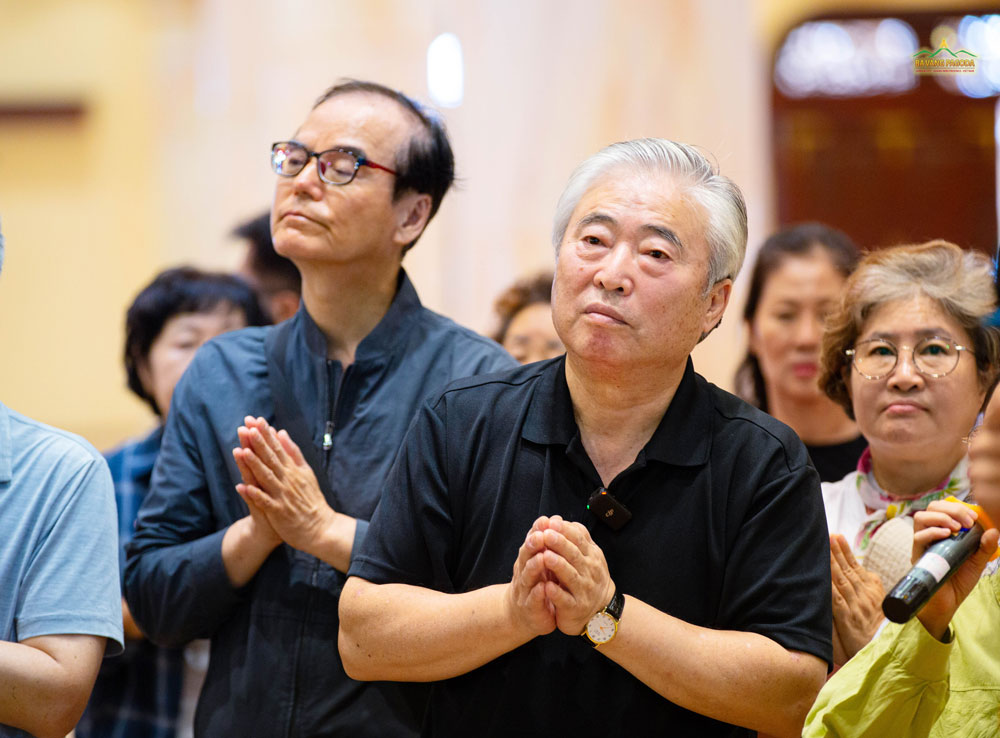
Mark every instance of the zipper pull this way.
pixel 328 436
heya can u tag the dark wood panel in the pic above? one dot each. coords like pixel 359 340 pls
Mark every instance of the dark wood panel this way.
pixel 890 168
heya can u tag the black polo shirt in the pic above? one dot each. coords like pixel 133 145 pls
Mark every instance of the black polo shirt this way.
pixel 727 532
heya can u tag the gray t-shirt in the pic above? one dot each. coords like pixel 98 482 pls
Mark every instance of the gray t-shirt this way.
pixel 58 537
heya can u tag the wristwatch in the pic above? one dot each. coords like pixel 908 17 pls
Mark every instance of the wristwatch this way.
pixel 603 626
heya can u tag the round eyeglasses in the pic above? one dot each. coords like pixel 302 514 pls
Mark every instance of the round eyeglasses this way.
pixel 334 166
pixel 932 357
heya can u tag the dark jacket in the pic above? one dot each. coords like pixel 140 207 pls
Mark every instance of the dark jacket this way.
pixel 275 670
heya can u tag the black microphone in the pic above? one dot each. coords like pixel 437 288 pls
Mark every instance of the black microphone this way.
pixel 940 561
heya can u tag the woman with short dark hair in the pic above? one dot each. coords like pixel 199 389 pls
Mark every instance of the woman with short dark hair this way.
pixel 140 692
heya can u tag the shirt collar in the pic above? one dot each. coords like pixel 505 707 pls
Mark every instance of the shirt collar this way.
pixel 683 437
pixel 6 447
pixel 383 337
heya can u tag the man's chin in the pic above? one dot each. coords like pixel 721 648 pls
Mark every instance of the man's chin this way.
pixel 599 351
pixel 293 243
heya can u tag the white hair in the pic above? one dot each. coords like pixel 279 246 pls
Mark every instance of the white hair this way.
pixel 721 200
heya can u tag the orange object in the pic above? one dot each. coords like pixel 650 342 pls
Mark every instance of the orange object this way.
pixel 983 519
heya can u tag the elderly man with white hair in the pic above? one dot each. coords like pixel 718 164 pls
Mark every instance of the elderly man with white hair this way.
pixel 670 564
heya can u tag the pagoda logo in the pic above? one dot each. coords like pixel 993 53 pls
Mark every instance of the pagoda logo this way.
pixel 944 60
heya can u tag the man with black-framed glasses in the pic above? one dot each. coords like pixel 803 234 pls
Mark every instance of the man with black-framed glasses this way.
pixel 261 575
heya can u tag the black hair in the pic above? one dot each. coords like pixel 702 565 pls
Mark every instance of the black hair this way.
pixel 173 292
pixel 427 165
pixel 797 240
pixel 272 270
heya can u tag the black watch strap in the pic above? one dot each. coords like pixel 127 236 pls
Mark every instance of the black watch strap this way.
pixel 616 606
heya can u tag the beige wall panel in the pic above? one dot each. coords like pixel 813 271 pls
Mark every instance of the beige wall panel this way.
pixel 76 200
pixel 184 98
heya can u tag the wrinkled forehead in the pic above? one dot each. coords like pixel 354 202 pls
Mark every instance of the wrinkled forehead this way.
pixel 647 199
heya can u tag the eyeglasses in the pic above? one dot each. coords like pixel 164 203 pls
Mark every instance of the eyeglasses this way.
pixel 335 166
pixel 932 357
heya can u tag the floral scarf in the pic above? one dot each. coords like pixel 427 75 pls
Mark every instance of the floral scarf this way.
pixel 886 508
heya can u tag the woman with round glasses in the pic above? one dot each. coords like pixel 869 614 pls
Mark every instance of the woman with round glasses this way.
pixel 906 355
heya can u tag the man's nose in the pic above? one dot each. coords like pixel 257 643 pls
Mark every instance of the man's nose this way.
pixel 615 271
pixel 307 180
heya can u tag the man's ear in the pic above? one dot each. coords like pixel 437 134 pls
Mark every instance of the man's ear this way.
pixel 718 299
pixel 413 209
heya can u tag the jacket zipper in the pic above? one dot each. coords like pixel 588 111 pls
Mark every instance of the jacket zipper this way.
pixel 332 405
pixel 333 393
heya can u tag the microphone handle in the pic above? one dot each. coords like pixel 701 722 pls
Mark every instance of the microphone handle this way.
pixel 940 561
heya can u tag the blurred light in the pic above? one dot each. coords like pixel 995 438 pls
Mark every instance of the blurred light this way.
pixel 996 133
pixel 981 36
pixel 847 59
pixel 445 71
pixel 944 32
pixel 831 43
pixel 895 39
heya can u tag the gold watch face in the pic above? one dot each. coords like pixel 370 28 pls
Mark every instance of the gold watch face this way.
pixel 601 628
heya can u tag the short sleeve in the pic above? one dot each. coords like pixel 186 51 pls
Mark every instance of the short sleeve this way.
pixel 777 580
pixel 410 537
pixel 71 585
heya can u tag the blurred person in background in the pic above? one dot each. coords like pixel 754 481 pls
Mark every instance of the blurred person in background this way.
pixel 356 185
pixel 276 279
pixel 907 355
pixel 796 282
pixel 60 601
pixel 140 694
pixel 525 327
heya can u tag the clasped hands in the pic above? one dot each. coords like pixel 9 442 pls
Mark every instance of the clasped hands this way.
pixel 560 579
pixel 280 488
pixel 857 601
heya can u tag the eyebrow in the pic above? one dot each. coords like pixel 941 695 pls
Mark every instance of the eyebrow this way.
pixel 358 152
pixel 658 230
pixel 920 334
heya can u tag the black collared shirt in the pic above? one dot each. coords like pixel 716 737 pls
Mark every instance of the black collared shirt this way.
pixel 274 670
pixel 727 532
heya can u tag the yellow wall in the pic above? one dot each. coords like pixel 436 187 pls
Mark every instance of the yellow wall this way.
pixel 78 209
pixel 183 99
